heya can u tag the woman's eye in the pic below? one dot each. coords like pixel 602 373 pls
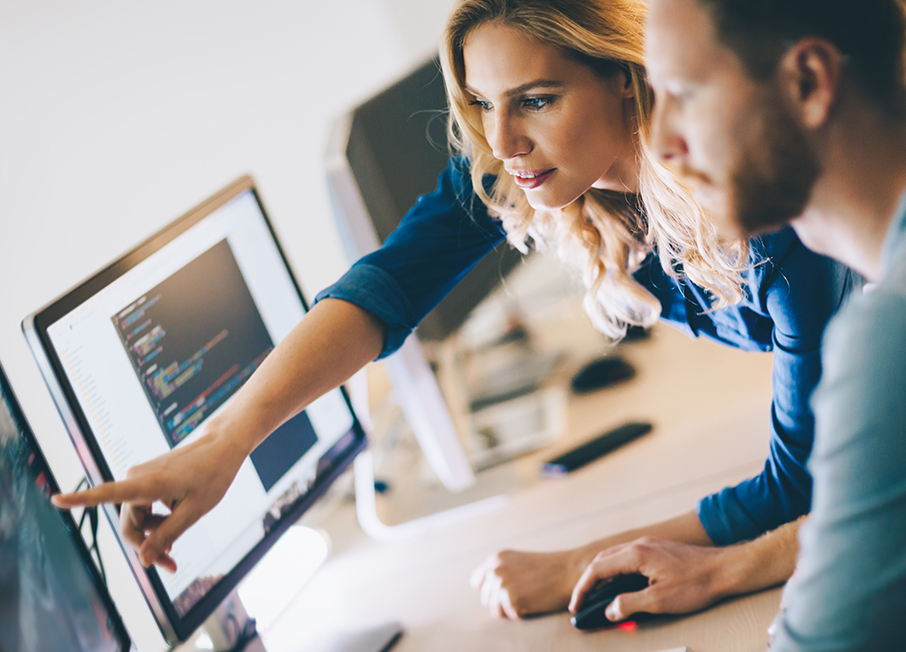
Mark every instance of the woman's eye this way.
pixel 481 104
pixel 537 103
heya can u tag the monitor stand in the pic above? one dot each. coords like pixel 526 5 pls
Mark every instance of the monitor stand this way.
pixel 520 420
pixel 366 500
pixel 221 631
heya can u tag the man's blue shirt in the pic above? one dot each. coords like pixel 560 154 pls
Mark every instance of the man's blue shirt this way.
pixel 791 294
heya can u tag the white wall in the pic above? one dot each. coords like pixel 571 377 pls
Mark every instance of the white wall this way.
pixel 117 117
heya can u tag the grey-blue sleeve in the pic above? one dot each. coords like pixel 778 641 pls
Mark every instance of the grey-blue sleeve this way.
pixel 849 589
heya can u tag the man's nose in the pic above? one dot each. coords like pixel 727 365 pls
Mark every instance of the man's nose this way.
pixel 666 140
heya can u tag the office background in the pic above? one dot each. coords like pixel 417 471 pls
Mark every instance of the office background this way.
pixel 115 118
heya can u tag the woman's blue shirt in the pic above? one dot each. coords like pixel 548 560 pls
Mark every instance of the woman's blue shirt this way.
pixel 791 295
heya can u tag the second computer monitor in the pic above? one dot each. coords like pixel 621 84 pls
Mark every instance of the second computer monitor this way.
pixel 51 595
pixel 383 155
pixel 392 149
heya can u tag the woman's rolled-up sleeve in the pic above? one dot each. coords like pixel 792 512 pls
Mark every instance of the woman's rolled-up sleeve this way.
pixel 436 244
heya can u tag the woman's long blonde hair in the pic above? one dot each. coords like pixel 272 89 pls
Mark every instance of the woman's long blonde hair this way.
pixel 604 234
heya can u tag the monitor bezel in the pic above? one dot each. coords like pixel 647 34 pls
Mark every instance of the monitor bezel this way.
pixel 175 628
pixel 25 432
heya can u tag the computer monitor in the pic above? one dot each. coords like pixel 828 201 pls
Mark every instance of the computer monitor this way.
pixel 138 356
pixel 51 594
pixel 392 148
pixel 383 155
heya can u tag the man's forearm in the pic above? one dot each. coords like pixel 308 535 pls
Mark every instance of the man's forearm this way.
pixel 685 528
pixel 683 577
pixel 766 561
pixel 743 568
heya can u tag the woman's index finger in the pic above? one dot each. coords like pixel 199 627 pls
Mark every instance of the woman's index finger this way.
pixel 109 492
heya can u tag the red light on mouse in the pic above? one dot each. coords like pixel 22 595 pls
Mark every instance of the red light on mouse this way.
pixel 628 626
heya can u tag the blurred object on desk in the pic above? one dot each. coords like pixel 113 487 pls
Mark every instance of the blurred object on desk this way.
pixel 600 373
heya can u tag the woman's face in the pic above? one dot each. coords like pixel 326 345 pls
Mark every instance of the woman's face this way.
pixel 558 128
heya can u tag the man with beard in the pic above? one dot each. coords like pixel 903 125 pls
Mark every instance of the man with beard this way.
pixel 794 111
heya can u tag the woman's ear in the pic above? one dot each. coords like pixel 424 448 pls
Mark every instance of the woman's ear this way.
pixel 811 74
pixel 628 90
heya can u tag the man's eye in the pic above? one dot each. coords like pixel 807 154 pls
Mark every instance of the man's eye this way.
pixel 484 106
pixel 537 103
pixel 679 93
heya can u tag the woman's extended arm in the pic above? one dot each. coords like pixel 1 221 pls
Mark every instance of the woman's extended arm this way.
pixel 328 346
pixel 367 314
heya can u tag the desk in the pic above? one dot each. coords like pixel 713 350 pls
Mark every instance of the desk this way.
pixel 711 409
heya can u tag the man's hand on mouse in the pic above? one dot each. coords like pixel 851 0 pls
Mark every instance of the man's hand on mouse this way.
pixel 516 584
pixel 189 480
pixel 682 577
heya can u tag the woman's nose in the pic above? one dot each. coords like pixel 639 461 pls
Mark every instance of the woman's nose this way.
pixel 506 137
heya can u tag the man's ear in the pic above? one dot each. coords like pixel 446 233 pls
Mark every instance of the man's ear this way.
pixel 811 75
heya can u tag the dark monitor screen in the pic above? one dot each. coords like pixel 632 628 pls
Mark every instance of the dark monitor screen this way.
pixel 51 595
pixel 397 146
pixel 140 355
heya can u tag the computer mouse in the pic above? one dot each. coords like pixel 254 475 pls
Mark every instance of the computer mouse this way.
pixel 601 372
pixel 591 615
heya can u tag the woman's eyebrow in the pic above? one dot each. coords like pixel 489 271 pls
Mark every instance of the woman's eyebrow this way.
pixel 538 83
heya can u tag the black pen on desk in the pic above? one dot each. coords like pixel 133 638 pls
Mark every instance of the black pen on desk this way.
pixel 594 448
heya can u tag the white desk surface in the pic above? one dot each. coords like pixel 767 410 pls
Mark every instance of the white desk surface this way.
pixel 710 406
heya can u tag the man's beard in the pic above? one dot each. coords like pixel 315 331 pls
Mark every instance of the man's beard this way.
pixel 773 179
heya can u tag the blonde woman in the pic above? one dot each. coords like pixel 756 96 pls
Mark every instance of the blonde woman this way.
pixel 551 110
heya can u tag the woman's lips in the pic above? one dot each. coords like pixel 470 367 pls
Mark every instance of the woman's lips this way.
pixel 531 179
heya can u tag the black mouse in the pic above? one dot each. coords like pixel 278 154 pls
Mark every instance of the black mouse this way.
pixel 600 373
pixel 591 615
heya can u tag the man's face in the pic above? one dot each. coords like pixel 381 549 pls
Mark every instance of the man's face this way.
pixel 732 137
